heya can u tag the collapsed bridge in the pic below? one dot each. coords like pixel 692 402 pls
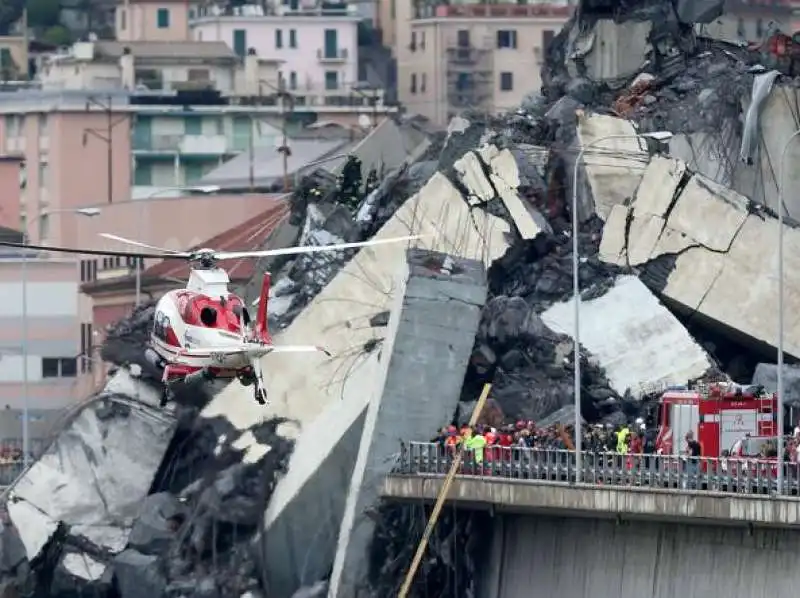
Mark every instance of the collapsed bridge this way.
pixel 677 270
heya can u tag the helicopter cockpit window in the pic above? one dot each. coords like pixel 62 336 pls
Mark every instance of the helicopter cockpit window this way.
pixel 208 316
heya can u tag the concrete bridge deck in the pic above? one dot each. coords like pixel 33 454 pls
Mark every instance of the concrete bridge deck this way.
pixel 663 488
pixel 562 498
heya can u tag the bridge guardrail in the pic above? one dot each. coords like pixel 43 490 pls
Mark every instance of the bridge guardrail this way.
pixel 733 474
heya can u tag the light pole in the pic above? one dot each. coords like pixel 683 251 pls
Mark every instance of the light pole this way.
pixel 576 291
pixel 208 189
pixel 789 141
pixel 88 212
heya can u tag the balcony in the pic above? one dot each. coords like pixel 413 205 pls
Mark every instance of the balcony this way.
pixel 328 56
pixel 496 11
pixel 185 145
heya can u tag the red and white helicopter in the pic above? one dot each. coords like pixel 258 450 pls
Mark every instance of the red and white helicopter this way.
pixel 204 331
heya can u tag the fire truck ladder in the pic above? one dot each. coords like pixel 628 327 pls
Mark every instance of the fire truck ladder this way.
pixel 765 406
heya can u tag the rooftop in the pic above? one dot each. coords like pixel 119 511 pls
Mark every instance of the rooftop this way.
pixel 251 235
pixel 509 10
pixel 267 163
pixel 112 51
pixel 304 8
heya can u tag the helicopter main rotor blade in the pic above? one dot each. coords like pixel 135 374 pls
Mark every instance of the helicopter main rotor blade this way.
pixel 232 255
pixel 74 251
pixel 143 245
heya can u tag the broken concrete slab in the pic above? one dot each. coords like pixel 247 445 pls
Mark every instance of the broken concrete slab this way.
pixel 299 389
pixel 489 173
pixel 638 342
pixel 613 161
pixel 339 316
pixel 293 548
pixel 114 440
pixel 721 255
pixel 429 338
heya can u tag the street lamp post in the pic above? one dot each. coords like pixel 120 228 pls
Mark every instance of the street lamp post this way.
pixel 88 212
pixel 208 189
pixel 781 310
pixel 576 291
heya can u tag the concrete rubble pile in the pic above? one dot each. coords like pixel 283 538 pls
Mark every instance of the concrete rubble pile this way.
pixel 674 269
pixel 132 500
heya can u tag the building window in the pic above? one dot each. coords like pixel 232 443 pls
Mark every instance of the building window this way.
pixel 143 174
pixel 43 125
pixel 547 38
pixel 193 172
pixel 740 29
pixel 331 80
pixel 88 270
pixel 292 80
pixel 123 17
pixel 86 347
pixel 192 125
pixel 413 45
pixel 44 226
pixel 506 81
pixel 163 18
pixel 12 125
pixel 59 367
pixel 240 42
pixel 421 40
pixel 292 38
pixel 759 28
pixel 279 38
pixel 43 174
pixel 507 38
pixel 413 83
pixel 423 82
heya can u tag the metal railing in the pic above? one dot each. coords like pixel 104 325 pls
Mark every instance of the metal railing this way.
pixel 734 474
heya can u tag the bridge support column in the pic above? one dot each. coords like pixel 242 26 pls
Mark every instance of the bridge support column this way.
pixel 424 358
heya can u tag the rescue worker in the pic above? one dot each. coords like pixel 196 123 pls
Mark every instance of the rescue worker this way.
pixel 475 443
pixel 623 436
pixel 693 451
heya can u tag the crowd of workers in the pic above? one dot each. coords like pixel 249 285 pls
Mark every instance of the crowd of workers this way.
pixel 636 438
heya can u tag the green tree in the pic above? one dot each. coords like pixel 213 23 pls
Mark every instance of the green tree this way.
pixel 43 13
pixel 57 35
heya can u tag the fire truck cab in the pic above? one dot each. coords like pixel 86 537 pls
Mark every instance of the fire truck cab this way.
pixel 718 414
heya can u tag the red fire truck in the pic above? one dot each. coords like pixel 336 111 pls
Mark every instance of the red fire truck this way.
pixel 718 414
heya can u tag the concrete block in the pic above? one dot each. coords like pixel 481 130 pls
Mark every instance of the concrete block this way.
pixel 634 338
pixel 295 548
pixel 427 347
pixel 724 255
pixel 613 166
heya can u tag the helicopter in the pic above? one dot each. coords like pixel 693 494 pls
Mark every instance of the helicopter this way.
pixel 203 331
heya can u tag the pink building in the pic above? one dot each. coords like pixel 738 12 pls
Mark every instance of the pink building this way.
pixel 70 159
pixel 152 20
pixel 316 48
pixel 51 293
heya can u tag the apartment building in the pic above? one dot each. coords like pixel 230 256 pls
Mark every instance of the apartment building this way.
pixel 315 43
pixel 485 57
pixel 746 21
pixel 46 333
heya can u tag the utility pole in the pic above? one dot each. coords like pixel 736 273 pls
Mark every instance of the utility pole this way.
pixel 106 136
pixel 286 100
